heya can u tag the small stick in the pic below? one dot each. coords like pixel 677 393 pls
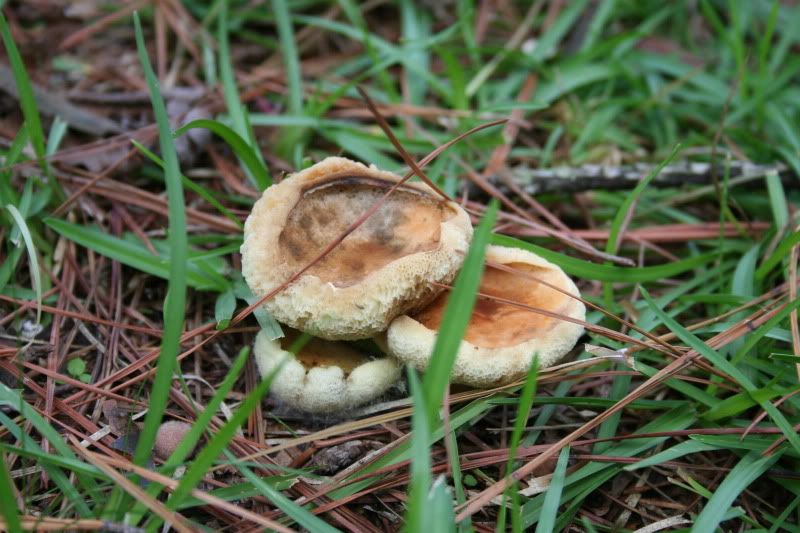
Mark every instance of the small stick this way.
pixel 576 179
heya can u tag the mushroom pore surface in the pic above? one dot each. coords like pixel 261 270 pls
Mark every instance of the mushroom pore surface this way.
pixel 407 223
pixel 495 324
pixel 321 353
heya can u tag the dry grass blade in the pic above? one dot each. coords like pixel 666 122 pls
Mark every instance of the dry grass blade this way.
pixel 528 275
pixel 610 333
pixel 735 330
pixel 178 522
pixel 547 375
pixel 25 304
pixel 200 495
pixel 104 22
pixel 130 195
pixel 484 497
pixel 666 233
pixel 526 219
pixel 43 523
pixel 81 385
pixel 416 169
pixel 677 365
pixel 58 211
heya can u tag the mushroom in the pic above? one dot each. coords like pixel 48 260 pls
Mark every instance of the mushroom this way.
pixel 323 376
pixel 501 339
pixel 168 437
pixel 379 271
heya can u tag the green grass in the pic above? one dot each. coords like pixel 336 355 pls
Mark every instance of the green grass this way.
pixel 33 260
pixel 616 81
pixel 27 102
pixel 456 316
pixel 174 306
pixel 526 398
pixel 740 477
pixel 552 499
pixel 236 112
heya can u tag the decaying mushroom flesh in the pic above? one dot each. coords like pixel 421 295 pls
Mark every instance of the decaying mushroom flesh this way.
pixel 323 376
pixel 501 338
pixel 380 270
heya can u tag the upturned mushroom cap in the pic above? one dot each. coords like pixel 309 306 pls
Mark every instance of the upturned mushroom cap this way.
pixel 378 272
pixel 324 376
pixel 501 339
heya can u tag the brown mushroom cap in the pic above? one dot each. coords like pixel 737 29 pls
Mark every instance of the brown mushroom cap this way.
pixel 501 339
pixel 168 437
pixel 377 272
pixel 324 376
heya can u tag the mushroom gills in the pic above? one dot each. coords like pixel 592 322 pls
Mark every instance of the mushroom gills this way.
pixel 495 324
pixel 313 352
pixel 408 222
pixel 323 376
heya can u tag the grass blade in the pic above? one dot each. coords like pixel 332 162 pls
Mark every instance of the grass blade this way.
pixel 291 142
pixel 426 504
pixel 726 366
pixel 752 339
pixel 301 516
pixel 440 506
pixel 175 304
pixel 137 256
pixel 224 308
pixel 670 454
pixel 456 316
pixel 52 464
pixel 243 151
pixel 13 399
pixel 200 426
pixel 525 403
pixel 587 270
pixel 416 24
pixel 189 184
pixel 291 62
pixel 777 200
pixel 8 496
pixel 624 215
pixel 625 210
pixel 738 479
pixel 7 193
pixel 57 131
pixel 27 102
pixel 778 523
pixel 420 457
pixel 552 498
pixel 226 74
pixel 197 470
pixel 236 110
pixel 780 253
pixel 33 260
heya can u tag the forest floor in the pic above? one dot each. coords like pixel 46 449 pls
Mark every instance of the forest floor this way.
pixel 678 407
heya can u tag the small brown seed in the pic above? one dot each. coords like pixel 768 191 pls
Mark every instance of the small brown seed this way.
pixel 169 435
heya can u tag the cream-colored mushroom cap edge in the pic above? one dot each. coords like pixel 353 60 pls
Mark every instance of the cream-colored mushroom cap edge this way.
pixel 381 270
pixel 324 377
pixel 501 339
